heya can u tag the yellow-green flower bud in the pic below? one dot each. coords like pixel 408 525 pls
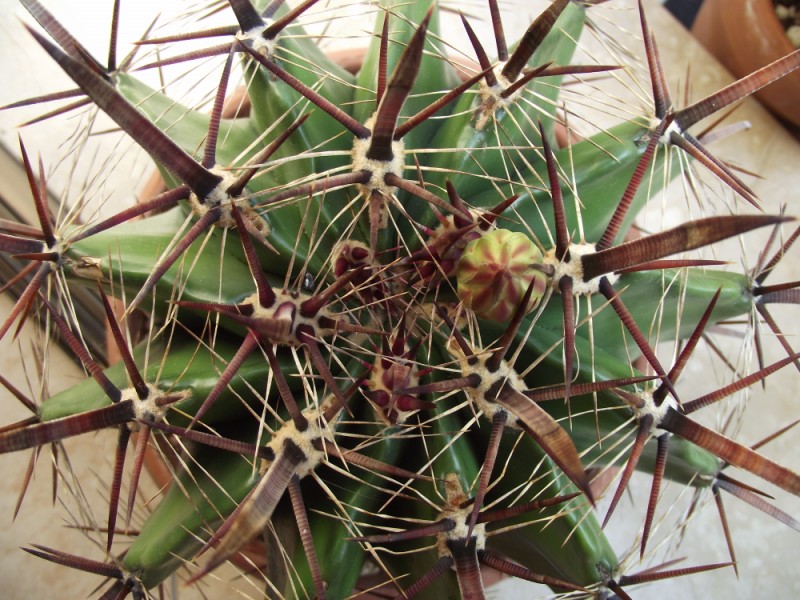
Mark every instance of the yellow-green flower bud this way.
pixel 494 273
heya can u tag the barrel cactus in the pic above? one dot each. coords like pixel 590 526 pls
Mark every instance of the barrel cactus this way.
pixel 397 323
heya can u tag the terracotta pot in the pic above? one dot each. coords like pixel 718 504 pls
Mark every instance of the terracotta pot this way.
pixel 745 35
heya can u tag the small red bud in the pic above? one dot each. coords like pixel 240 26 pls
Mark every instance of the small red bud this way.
pixel 495 271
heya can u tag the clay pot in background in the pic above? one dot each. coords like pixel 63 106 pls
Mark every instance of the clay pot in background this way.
pixel 745 35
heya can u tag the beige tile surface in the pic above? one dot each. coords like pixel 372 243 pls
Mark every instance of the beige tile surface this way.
pixel 765 548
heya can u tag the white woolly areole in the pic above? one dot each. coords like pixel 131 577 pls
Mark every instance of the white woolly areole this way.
pixel 378 169
pixel 255 39
pixel 491 99
pixel 59 249
pixel 460 516
pixel 286 310
pixel 148 409
pixel 317 429
pixel 219 197
pixel 649 407
pixel 672 128
pixel 505 374
pixel 573 268
pixel 664 139
pixel 458 510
